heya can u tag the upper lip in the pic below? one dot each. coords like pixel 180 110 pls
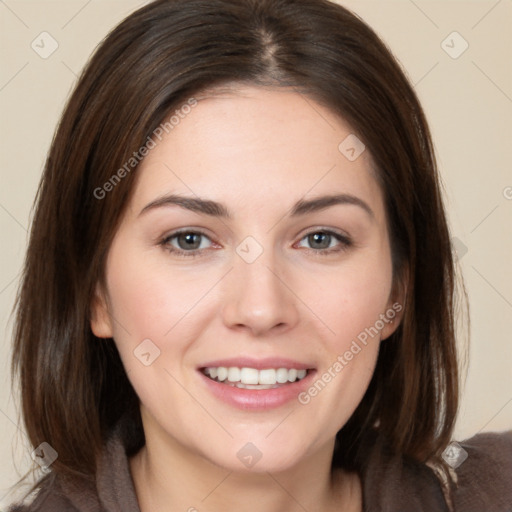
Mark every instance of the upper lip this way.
pixel 258 364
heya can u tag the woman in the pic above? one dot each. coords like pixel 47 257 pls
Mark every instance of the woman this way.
pixel 239 288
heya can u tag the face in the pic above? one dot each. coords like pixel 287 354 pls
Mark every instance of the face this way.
pixel 258 289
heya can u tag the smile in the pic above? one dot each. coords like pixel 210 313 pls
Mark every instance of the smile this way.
pixel 252 378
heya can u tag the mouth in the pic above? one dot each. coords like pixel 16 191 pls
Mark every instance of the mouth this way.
pixel 256 384
pixel 253 378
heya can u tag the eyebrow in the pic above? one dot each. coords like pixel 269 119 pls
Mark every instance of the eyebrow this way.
pixel 215 209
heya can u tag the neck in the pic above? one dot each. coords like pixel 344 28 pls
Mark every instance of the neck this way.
pixel 195 484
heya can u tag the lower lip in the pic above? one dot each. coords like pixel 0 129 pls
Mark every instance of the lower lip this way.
pixel 257 399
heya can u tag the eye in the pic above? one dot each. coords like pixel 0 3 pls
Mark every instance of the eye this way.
pixel 321 242
pixel 188 243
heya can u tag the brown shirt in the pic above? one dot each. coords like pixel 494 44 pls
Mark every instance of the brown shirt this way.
pixel 484 483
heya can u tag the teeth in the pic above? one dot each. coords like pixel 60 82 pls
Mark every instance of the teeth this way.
pixel 267 377
pixel 282 375
pixel 248 375
pixel 251 378
pixel 234 374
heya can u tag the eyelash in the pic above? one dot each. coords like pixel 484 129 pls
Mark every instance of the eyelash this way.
pixel 345 241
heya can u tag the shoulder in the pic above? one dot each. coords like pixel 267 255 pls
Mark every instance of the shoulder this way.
pixel 47 504
pixel 109 488
pixel 47 498
pixel 483 469
pixel 397 483
pixel 55 493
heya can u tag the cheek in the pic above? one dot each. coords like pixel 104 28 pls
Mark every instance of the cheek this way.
pixel 150 298
pixel 160 301
pixel 153 317
pixel 351 300
pixel 352 306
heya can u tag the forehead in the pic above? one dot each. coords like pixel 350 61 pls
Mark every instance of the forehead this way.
pixel 256 145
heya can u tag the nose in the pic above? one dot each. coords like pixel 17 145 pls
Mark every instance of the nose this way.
pixel 257 296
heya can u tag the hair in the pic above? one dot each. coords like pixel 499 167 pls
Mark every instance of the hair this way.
pixel 74 389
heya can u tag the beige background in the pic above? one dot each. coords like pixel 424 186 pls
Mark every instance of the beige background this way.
pixel 468 101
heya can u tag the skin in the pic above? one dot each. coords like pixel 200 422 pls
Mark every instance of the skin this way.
pixel 290 302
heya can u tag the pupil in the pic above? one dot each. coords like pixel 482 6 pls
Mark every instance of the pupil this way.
pixel 189 240
pixel 323 236
pixel 318 238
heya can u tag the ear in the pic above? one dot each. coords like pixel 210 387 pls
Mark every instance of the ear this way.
pixel 101 324
pixel 396 305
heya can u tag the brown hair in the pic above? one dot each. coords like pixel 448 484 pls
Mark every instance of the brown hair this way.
pixel 74 388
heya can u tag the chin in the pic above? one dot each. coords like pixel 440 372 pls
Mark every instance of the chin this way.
pixel 257 456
